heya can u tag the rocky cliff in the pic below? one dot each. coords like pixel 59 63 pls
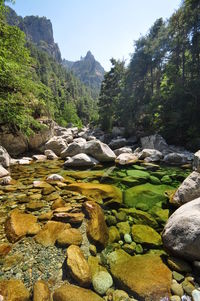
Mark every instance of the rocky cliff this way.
pixel 89 71
pixel 38 30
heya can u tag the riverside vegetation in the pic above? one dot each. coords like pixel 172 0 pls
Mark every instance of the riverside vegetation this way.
pixel 91 215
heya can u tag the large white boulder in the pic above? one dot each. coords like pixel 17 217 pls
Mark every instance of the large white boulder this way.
pixel 3 172
pixel 123 150
pixel 80 160
pixel 126 158
pixel 73 149
pixel 4 157
pixel 56 144
pixel 188 190
pixel 99 151
pixel 152 154
pixel 181 235
pixel 154 142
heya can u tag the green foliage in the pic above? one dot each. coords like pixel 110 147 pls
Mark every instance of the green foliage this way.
pixel 161 91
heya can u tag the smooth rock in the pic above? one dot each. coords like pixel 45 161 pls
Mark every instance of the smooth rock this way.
pixel 69 292
pixel 122 150
pixel 196 162
pixel 50 154
pixel 39 158
pixel 97 230
pixel 80 160
pixel 196 295
pixel 55 177
pixel 126 159
pixel 144 234
pixel 3 172
pixel 150 153
pixel 154 142
pixel 13 290
pixel 78 266
pixel 41 291
pixel 101 282
pixel 100 151
pixel 145 276
pixel 4 157
pixel 188 190
pixel 73 149
pixel 177 289
pixel 175 159
pixel 183 238
pixel 70 236
pixel 56 144
pixel 20 224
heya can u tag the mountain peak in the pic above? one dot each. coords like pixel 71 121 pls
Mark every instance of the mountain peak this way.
pixel 89 56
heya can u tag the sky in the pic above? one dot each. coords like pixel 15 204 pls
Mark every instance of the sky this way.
pixel 108 28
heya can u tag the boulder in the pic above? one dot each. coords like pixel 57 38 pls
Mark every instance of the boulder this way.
pixel 80 160
pixel 41 291
pixel 146 235
pixel 122 150
pixel 181 235
pixel 99 192
pixel 48 235
pixel 152 154
pixel 13 290
pixel 20 224
pixel 71 236
pixel 126 158
pixel 175 159
pixel 4 157
pixel 144 276
pixel 188 190
pixel 37 140
pixel 80 140
pixel 73 149
pixel 101 282
pixel 196 162
pixel 117 143
pixel 154 142
pixel 69 292
pixel 56 144
pixel 100 151
pixel 97 230
pixel 3 172
pixel 78 266
pixel 39 158
pixel 50 154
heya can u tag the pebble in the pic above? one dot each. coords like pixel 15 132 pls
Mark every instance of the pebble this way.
pixel 196 295
pixel 101 282
pixel 127 238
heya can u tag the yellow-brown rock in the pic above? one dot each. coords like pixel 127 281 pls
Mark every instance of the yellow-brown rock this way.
pixel 74 293
pixel 98 192
pixel 50 232
pixel 70 236
pixel 41 291
pixel 45 216
pixel 97 230
pixel 13 290
pixel 70 217
pixel 95 266
pixel 5 248
pixel 78 266
pixel 58 203
pixel 20 224
pixel 145 276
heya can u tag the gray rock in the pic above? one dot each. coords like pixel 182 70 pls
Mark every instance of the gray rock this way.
pixel 118 131
pixel 99 151
pixel 123 150
pixel 126 158
pixel 117 143
pixel 181 235
pixel 39 158
pixel 176 159
pixel 55 177
pixel 101 282
pixel 50 154
pixel 56 144
pixel 4 157
pixel 80 160
pixel 3 172
pixel 188 190
pixel 196 295
pixel 196 162
pixel 5 180
pixel 155 154
pixel 80 140
pixel 154 142
pixel 73 149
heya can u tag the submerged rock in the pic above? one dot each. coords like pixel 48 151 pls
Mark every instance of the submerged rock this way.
pixel 41 291
pixel 101 282
pixel 78 266
pixel 144 276
pixel 97 229
pixel 12 290
pixel 181 235
pixel 68 292
pixel 146 235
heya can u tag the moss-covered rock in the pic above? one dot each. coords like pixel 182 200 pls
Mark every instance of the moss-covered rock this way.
pixel 146 235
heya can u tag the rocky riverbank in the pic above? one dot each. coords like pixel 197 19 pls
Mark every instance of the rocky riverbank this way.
pixel 97 233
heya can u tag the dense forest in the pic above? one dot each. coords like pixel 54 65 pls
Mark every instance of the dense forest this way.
pixel 160 89
pixel 34 85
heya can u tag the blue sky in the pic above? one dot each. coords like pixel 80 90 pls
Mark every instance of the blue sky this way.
pixel 106 27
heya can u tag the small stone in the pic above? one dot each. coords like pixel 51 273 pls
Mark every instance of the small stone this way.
pixel 127 238
pixel 188 287
pixel 196 295
pixel 70 236
pixel 93 250
pixel 177 276
pixel 41 291
pixel 177 289
pixel 113 234
pixel 121 216
pixel 128 248
pixel 55 177
pixel 119 295
pixel 139 249
pixel 102 281
pixel 111 220
pixel 175 298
